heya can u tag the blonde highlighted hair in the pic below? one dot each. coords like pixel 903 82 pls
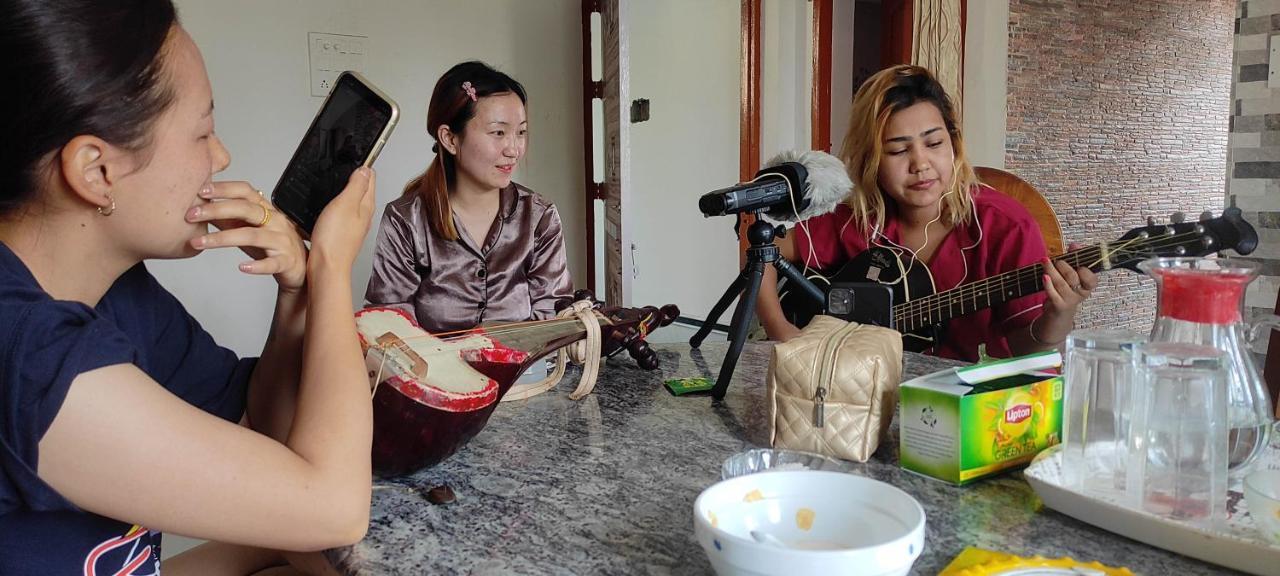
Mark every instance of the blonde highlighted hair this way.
pixel 888 91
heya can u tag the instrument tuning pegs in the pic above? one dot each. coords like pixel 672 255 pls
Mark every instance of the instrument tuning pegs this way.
pixel 644 356
pixel 1206 216
pixel 1178 217
pixel 669 314
pixel 578 296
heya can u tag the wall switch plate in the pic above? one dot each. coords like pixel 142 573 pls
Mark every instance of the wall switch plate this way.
pixel 639 110
pixel 331 55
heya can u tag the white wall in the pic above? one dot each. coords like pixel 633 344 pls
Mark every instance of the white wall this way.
pixel 684 58
pixel 256 53
pixel 986 49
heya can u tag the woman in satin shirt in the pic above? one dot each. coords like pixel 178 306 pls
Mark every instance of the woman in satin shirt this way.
pixel 464 245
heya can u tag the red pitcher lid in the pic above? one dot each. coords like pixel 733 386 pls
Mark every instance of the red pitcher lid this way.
pixel 1201 296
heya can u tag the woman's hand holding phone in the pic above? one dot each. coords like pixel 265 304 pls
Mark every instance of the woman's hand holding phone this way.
pixel 343 225
pixel 248 221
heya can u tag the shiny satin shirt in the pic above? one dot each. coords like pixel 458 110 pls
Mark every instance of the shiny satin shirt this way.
pixel 518 273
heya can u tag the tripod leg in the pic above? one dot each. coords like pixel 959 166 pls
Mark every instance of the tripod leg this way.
pixel 738 330
pixel 723 304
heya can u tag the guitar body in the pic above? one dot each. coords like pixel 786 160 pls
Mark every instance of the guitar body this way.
pixel 908 279
pixel 864 280
pixel 916 309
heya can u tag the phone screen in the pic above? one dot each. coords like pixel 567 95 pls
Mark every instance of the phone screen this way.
pixel 349 130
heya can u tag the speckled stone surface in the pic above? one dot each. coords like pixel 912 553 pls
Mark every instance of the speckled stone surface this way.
pixel 606 485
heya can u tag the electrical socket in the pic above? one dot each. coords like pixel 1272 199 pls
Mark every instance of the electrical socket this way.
pixel 330 55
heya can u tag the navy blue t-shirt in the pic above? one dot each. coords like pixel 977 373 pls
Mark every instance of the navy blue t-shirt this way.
pixel 44 345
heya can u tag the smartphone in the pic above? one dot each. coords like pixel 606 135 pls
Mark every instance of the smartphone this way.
pixel 349 131
pixel 862 302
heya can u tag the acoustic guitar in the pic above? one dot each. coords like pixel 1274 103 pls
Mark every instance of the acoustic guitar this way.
pixel 888 288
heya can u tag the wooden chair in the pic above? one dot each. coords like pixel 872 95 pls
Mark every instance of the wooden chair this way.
pixel 1026 194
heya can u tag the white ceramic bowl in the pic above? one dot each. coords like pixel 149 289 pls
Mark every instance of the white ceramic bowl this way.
pixel 1262 494
pixel 808 522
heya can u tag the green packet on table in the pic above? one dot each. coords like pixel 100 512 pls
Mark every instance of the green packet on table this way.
pixel 682 386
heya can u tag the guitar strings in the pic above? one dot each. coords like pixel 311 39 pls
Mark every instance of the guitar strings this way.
pixel 925 307
pixel 935 302
pixel 931 304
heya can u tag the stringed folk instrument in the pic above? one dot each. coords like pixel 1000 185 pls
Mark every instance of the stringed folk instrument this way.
pixel 888 288
pixel 434 392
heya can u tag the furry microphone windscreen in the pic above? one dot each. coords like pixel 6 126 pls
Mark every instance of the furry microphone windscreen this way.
pixel 826 187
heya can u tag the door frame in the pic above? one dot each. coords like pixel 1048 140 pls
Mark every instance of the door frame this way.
pixel 897 48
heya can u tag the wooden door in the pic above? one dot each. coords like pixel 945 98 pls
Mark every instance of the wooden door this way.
pixel 617 157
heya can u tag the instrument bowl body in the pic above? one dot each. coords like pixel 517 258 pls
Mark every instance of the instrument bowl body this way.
pixel 409 435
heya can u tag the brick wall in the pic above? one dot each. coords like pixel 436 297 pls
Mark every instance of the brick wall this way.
pixel 1119 110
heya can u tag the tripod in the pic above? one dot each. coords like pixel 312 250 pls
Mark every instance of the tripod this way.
pixel 761 252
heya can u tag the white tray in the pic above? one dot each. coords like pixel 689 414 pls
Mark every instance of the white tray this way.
pixel 1237 546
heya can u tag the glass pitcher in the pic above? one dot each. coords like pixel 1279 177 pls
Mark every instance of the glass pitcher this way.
pixel 1201 301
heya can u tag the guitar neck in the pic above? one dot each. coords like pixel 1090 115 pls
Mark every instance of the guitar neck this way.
pixel 993 291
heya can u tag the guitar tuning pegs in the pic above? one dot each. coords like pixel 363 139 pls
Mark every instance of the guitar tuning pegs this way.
pixel 1206 216
pixel 1178 217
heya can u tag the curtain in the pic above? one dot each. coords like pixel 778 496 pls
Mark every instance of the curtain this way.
pixel 938 43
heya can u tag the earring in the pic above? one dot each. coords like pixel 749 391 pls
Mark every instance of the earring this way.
pixel 110 209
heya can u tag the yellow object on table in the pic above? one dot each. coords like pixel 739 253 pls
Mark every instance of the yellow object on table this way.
pixel 979 562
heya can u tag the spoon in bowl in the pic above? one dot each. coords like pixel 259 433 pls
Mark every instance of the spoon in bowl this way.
pixel 766 538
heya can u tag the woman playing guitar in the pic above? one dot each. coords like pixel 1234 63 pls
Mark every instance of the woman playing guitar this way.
pixel 916 194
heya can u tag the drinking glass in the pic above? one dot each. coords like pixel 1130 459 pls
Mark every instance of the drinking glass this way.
pixel 1178 433
pixel 1099 372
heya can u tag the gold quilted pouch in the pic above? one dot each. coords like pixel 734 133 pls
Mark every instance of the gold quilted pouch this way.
pixel 834 388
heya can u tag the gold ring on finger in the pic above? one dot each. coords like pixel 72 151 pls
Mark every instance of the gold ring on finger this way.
pixel 266 214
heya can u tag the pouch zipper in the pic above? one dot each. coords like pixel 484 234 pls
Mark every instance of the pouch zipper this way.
pixel 826 370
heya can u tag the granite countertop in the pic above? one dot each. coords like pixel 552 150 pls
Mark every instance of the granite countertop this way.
pixel 606 485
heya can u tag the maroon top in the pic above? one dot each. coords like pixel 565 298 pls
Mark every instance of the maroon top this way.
pixel 519 273
pixel 1002 237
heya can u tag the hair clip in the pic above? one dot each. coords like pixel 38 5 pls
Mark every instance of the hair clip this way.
pixel 470 90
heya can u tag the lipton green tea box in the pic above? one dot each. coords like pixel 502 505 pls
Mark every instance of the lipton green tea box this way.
pixel 960 431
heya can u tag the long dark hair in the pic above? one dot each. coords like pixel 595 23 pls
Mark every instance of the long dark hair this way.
pixel 452 105
pixel 74 67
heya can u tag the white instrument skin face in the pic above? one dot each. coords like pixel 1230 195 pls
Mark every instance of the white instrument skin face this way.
pixel 422 366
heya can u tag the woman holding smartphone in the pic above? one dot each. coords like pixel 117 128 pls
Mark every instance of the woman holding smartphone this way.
pixel 120 418
pixel 464 245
